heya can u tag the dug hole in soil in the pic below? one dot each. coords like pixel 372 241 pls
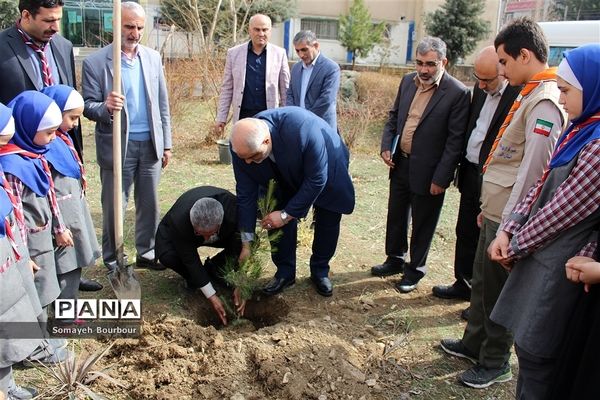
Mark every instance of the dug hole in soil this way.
pixel 281 352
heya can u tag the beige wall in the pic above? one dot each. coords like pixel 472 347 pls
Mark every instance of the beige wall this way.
pixel 384 10
pixel 390 11
pixel 394 10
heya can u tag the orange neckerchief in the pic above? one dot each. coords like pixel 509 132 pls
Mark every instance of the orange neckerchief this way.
pixel 547 75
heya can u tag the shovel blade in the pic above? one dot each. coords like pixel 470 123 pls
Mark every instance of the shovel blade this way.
pixel 125 283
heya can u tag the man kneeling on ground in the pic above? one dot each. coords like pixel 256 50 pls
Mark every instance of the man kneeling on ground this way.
pixel 203 216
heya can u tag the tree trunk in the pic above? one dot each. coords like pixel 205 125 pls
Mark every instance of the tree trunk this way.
pixel 243 22
pixel 211 32
pixel 353 59
pixel 164 45
pixel 233 10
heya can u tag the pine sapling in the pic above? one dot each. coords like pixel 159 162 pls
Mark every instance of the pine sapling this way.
pixel 245 276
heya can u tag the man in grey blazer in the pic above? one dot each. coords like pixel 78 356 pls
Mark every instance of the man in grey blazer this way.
pixel 422 142
pixel 315 79
pixel 256 75
pixel 146 131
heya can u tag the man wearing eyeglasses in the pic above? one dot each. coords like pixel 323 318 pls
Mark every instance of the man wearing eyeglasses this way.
pixel 422 143
pixel 492 98
pixel 202 216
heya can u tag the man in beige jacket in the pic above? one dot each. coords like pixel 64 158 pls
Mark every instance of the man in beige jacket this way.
pixel 256 75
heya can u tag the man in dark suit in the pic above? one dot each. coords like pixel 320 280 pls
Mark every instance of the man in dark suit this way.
pixel 422 142
pixel 492 98
pixel 203 216
pixel 33 46
pixel 309 161
pixel 315 79
pixel 32 56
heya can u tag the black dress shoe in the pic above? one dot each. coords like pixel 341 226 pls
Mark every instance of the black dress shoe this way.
pixel 406 285
pixel 88 285
pixel 391 266
pixel 142 262
pixel 322 285
pixel 276 285
pixel 453 291
pixel 465 313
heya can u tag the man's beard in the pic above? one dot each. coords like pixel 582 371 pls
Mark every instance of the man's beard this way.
pixel 431 78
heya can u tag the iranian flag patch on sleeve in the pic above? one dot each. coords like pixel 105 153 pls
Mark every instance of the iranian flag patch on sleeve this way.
pixel 543 127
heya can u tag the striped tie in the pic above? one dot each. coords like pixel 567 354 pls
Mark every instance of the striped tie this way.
pixel 65 137
pixel 39 50
pixel 548 75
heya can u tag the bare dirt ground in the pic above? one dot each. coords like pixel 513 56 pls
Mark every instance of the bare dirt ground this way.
pixel 367 341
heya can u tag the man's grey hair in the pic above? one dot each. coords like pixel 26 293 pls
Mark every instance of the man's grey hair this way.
pixel 206 213
pixel 432 43
pixel 307 37
pixel 133 6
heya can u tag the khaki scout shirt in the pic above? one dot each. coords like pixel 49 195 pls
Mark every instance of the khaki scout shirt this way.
pixel 522 154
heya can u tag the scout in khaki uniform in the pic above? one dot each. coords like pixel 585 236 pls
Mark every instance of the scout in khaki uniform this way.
pixel 516 161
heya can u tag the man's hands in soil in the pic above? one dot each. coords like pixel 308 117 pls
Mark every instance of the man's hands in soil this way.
pixel 218 307
pixel 240 305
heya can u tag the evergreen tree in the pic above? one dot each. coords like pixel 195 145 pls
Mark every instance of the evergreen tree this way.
pixel 8 13
pixel 458 23
pixel 357 32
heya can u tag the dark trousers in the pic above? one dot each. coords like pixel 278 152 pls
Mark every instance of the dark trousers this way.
pixel 425 210
pixel 467 231
pixel 535 376
pixel 326 233
pixel 167 255
pixel 489 341
pixel 69 284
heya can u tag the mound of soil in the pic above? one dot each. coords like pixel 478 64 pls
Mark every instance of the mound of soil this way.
pixel 266 357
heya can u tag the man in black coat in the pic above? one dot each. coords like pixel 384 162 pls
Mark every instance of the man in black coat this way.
pixel 422 142
pixel 492 99
pixel 203 216
pixel 32 42
pixel 32 56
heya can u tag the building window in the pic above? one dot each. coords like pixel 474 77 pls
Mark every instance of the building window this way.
pixel 323 28
pixel 87 24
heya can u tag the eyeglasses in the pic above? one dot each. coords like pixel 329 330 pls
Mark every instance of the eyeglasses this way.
pixel 428 64
pixel 486 81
